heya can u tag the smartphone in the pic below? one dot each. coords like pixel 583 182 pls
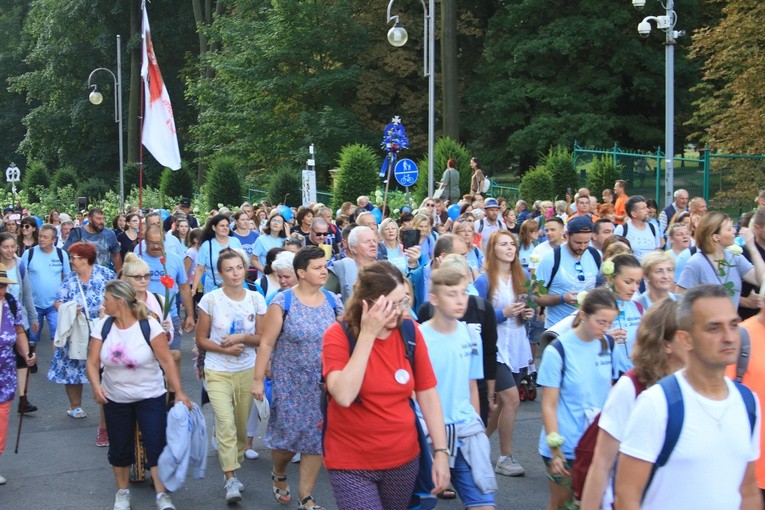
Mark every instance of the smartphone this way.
pixel 568 191
pixel 410 237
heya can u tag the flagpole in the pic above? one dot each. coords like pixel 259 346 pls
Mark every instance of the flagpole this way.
pixel 140 149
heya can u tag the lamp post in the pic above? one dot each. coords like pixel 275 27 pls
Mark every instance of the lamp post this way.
pixel 96 98
pixel 666 23
pixel 397 36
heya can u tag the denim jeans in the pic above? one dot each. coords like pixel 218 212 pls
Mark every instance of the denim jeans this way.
pixel 51 315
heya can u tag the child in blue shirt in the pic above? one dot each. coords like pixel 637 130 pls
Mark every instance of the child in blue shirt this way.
pixel 457 360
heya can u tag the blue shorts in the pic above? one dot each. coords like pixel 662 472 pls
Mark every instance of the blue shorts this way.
pixel 462 481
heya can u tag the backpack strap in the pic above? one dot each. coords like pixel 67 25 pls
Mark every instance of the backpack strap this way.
pixel 624 228
pixel 749 402
pixel 106 327
pixel 288 303
pixel 556 265
pixel 212 267
pixel 330 299
pixel 558 346
pixel 639 307
pixel 693 250
pixel 743 356
pixel 12 304
pixel 31 252
pixel 595 255
pixel 675 417
pixel 480 226
pixel 409 336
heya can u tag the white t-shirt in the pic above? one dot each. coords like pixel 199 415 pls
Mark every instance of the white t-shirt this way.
pixel 131 371
pixel 708 463
pixel 642 241
pixel 226 313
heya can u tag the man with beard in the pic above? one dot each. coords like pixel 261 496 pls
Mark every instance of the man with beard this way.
pixel 107 247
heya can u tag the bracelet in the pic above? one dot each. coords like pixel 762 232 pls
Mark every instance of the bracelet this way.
pixel 561 298
pixel 445 450
pixel 554 440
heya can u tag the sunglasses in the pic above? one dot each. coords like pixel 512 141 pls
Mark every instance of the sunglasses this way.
pixel 579 271
pixel 320 234
pixel 139 277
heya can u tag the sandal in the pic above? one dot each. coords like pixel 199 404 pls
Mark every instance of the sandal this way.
pixel 77 412
pixel 304 506
pixel 281 495
pixel 447 494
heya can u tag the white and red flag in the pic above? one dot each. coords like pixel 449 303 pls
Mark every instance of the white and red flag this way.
pixel 158 134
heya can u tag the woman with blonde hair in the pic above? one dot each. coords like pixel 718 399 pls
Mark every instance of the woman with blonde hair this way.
pixel 655 355
pixel 659 271
pixel 502 284
pixel 719 261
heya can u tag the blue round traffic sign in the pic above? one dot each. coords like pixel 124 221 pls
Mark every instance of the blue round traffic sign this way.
pixel 406 172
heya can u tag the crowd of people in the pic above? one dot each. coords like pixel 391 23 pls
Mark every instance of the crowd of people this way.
pixel 425 330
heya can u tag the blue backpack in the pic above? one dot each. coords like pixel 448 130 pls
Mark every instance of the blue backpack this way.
pixel 676 416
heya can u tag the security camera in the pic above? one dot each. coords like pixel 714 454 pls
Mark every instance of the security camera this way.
pixel 638 4
pixel 644 28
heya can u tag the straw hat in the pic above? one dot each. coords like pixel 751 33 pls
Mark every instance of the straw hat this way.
pixel 4 275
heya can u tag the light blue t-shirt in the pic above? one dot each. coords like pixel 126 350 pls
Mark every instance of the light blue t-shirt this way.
pixel 248 242
pixel 396 257
pixel 475 258
pixel 175 270
pixel 213 247
pixel 583 390
pixel 45 274
pixel 456 359
pixel 263 244
pixel 567 279
pixel 172 245
pixel 629 320
pixel 680 260
pixel 524 254
pixel 699 270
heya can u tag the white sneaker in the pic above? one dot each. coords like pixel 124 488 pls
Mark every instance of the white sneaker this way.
pixel 164 503
pixel 122 500
pixel 251 454
pixel 509 467
pixel 2 480
pixel 237 483
pixel 233 493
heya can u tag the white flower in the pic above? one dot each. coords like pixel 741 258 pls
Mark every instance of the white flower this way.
pixel 608 268
pixel 535 259
pixel 734 249
pixel 220 206
pixel 580 297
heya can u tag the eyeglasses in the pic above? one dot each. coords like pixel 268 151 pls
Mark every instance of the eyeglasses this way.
pixel 402 305
pixel 139 277
pixel 579 271
pixel 153 243
pixel 320 234
pixel 74 257
pixel 602 323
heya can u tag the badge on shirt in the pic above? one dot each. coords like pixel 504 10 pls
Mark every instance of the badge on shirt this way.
pixel 401 376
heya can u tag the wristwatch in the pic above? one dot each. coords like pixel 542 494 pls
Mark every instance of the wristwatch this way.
pixel 445 450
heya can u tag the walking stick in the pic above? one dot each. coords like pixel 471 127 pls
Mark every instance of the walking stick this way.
pixel 23 408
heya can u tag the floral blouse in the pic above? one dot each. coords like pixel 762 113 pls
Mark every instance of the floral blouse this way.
pixel 7 356
pixel 93 290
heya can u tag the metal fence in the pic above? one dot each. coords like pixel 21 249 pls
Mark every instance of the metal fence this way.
pixel 511 193
pixel 645 172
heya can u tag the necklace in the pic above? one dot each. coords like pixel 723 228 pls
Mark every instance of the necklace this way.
pixel 703 406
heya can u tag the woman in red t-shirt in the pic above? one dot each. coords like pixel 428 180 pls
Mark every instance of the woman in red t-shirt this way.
pixel 371 448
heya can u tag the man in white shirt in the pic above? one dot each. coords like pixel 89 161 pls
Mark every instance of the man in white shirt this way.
pixel 487 226
pixel 554 234
pixel 712 464
pixel 642 236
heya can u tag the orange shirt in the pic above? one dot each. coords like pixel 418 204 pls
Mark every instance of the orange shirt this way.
pixel 378 432
pixel 620 209
pixel 754 378
pixel 593 217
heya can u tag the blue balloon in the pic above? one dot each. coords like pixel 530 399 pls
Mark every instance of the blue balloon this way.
pixel 454 211
pixel 163 213
pixel 377 213
pixel 286 212
pixel 38 220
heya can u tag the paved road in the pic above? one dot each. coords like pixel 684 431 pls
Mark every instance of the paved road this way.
pixel 59 467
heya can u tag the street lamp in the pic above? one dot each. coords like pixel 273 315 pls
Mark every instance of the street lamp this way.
pixel 96 98
pixel 666 23
pixel 397 36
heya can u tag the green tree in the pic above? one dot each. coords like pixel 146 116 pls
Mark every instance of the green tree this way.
pixel 357 175
pixel 223 183
pixel 176 183
pixel 536 185
pixel 729 111
pixel 93 188
pixel 555 71
pixel 559 163
pixel 36 175
pixel 65 176
pixel 285 186
pixel 12 105
pixel 602 174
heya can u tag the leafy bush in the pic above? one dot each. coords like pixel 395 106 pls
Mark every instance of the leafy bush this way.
pixel 396 200
pixel 35 175
pixel 559 163
pixel 285 187
pixel 536 185
pixel 93 188
pixel 65 176
pixel 176 184
pixel 444 149
pixel 223 183
pixel 602 174
pixel 357 176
